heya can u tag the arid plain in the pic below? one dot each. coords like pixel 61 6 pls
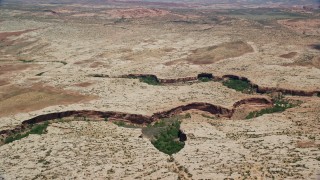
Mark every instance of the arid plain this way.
pixel 83 68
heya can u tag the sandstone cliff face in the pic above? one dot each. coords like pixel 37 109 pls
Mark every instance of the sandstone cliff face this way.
pixel 217 110
pixel 253 101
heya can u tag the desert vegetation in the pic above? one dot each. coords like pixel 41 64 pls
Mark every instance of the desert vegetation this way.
pixel 26 61
pixel 168 139
pixel 40 74
pixel 280 105
pixel 36 129
pixel 124 124
pixel 238 85
pixel 149 80
pixel 164 134
pixel 204 79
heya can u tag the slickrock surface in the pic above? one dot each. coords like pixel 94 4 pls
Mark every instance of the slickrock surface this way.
pixel 281 146
pixel 84 150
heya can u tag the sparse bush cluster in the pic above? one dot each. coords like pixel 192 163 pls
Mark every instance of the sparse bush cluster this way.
pixel 62 62
pixel 37 129
pixel 209 117
pixel 26 61
pixel 124 124
pixel 159 124
pixel 279 106
pixel 238 85
pixel 40 74
pixel 204 79
pixel 120 123
pixel 149 80
pixel 187 116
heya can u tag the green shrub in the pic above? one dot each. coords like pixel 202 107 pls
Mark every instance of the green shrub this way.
pixel 37 129
pixel 161 123
pixel 204 79
pixel 97 75
pixel 26 61
pixel 62 62
pixel 238 85
pixel 124 124
pixel 187 116
pixel 40 74
pixel 166 141
pixel 15 137
pixel 149 80
pixel 120 123
pixel 279 106
pixel 209 117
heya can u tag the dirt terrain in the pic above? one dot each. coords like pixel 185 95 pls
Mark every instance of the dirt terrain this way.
pixel 306 26
pixel 19 100
pixel 137 13
pixel 212 54
pixel 289 55
pixel 84 67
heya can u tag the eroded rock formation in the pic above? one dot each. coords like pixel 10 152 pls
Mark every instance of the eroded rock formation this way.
pixel 137 118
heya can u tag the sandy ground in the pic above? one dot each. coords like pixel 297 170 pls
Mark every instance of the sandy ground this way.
pixel 129 48
pixel 308 26
pixel 61 52
pixel 85 150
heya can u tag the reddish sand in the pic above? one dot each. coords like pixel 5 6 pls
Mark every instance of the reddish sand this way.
pixel 307 144
pixel 10 68
pixel 84 84
pixel 289 55
pixel 303 26
pixel 15 100
pixel 5 35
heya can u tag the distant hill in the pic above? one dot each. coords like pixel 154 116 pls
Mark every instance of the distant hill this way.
pixel 178 3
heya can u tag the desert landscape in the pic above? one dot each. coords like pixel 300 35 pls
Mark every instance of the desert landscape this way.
pixel 122 89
